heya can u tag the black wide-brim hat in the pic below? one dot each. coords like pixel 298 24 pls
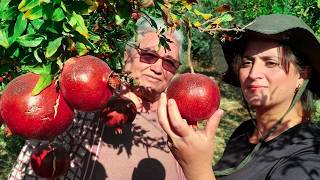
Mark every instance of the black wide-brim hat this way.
pixel 286 29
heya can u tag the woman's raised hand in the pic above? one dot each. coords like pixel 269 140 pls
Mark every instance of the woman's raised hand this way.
pixel 193 148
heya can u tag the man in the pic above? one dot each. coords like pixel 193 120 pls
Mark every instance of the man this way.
pixel 140 152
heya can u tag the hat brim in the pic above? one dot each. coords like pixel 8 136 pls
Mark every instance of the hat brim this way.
pixel 299 37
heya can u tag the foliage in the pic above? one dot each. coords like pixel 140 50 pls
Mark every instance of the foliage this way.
pixel 9 149
pixel 244 11
pixel 316 115
pixel 38 35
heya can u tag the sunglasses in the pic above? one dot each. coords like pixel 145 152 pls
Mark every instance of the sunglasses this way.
pixel 151 57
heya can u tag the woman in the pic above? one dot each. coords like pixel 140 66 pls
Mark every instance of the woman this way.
pixel 276 63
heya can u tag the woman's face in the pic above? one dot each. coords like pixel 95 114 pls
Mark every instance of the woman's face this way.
pixel 263 79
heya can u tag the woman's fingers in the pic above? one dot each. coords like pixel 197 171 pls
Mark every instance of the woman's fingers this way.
pixel 179 125
pixel 213 123
pixel 163 115
pixel 170 119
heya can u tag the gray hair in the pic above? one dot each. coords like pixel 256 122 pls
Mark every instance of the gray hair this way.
pixel 144 25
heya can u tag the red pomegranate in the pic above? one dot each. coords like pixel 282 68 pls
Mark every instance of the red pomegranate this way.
pixel 118 111
pixel 84 83
pixel 196 95
pixel 1 119
pixel 41 117
pixel 50 160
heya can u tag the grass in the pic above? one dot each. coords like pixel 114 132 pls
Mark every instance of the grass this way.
pixel 9 150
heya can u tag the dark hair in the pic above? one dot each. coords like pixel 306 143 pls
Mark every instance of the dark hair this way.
pixel 287 55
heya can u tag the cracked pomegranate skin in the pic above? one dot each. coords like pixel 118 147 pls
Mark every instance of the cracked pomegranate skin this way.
pixel 197 96
pixel 118 111
pixel 50 160
pixel 84 83
pixel 41 117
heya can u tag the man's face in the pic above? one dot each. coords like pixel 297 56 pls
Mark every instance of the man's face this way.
pixel 154 76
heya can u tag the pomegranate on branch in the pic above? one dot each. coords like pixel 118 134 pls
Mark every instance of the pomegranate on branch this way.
pixel 42 116
pixel 84 83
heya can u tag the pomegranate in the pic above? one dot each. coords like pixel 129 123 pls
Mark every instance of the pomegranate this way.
pixel 41 117
pixel 196 95
pixel 118 111
pixel 50 160
pixel 1 119
pixel 84 83
pixel 135 15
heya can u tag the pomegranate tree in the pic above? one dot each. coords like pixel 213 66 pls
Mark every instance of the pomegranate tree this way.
pixel 196 95
pixel 84 83
pixel 118 111
pixel 50 160
pixel 41 117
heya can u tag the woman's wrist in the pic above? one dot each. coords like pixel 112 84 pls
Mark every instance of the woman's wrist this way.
pixel 199 173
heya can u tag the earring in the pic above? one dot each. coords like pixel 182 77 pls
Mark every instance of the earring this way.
pixel 297 88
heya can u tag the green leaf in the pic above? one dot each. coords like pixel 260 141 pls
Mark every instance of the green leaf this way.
pixel 81 49
pixel 20 26
pixel 77 22
pixel 44 81
pixel 9 14
pixel 58 15
pixel 26 5
pixel 30 40
pixel 226 18
pixel 34 13
pixel 36 55
pixel 53 46
pixel 4 41
pixel 119 20
pixel 45 69
pixel 318 3
pixel 203 15
pixel 37 23
pixel 4 4
pixel 84 40
pixel 94 38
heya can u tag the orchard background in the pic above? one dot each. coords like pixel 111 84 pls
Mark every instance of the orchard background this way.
pixel 39 35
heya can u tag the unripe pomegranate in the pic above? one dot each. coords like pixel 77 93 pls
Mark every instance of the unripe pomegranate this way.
pixel 50 160
pixel 196 95
pixel 84 83
pixel 41 117
pixel 118 111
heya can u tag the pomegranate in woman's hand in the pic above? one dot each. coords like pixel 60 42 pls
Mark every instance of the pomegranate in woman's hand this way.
pixel 118 111
pixel 41 117
pixel 84 83
pixel 196 95
pixel 50 160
